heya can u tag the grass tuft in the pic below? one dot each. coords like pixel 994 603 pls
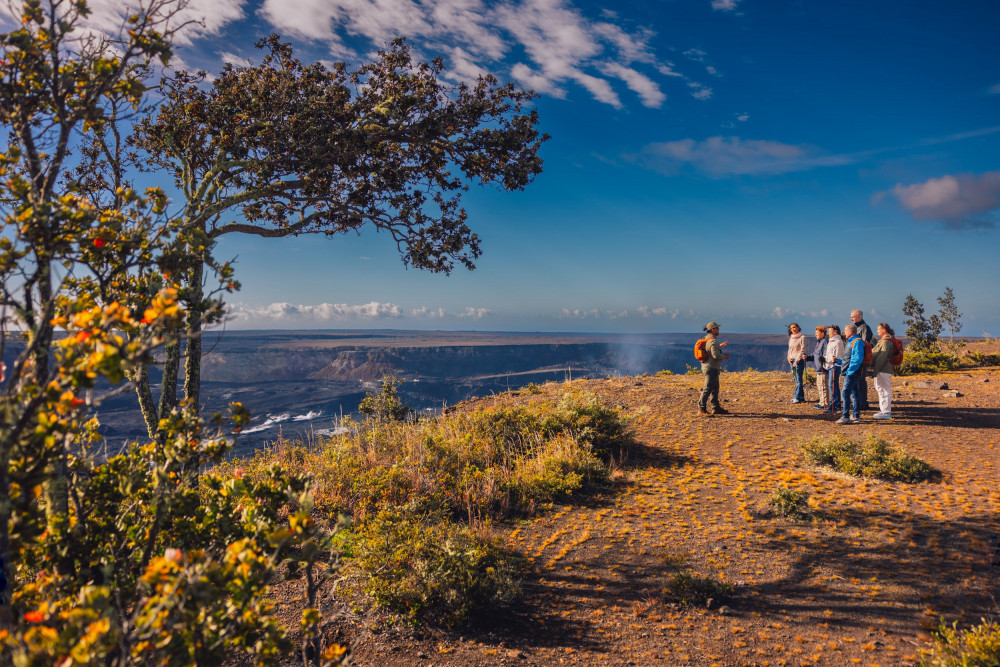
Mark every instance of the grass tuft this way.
pixel 873 458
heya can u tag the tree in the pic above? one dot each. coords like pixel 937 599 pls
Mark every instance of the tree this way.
pixel 921 330
pixel 130 556
pixel 949 315
pixel 282 148
pixel 386 404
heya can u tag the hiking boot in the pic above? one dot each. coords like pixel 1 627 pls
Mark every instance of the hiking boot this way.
pixel 843 420
pixel 704 413
pixel 855 420
pixel 882 415
pixel 720 410
pixel 819 407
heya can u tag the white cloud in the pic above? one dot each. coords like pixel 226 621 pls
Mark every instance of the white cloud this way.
pixel 546 43
pixel 779 312
pixel 233 59
pixel 725 5
pixel 954 199
pixel 719 157
pixel 646 88
pixel 337 312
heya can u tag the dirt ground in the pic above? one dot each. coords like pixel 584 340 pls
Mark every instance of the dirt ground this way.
pixel 863 581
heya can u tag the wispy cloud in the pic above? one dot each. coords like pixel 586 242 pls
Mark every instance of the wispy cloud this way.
pixel 994 89
pixel 333 312
pixel 719 157
pixel 725 5
pixel 641 312
pixel 546 44
pixel 957 200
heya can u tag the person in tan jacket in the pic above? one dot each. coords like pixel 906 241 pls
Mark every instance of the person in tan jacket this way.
pixel 711 368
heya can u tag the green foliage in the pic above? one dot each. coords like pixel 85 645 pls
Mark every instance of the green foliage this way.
pixel 692 370
pixel 693 590
pixel 386 404
pixel 924 360
pixel 431 569
pixel 809 376
pixel 872 457
pixel 531 389
pixel 453 475
pixel 664 372
pixel 922 331
pixel 979 360
pixel 789 502
pixel 979 646
pixel 948 314
pixel 133 557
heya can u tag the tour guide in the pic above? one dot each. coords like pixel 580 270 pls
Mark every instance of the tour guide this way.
pixel 711 367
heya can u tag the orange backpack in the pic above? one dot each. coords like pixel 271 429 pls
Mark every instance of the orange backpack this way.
pixel 868 351
pixel 700 353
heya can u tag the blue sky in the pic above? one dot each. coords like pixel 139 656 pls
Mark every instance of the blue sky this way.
pixel 739 160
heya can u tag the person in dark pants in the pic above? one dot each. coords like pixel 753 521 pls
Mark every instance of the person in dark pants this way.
pixel 854 354
pixel 865 332
pixel 711 368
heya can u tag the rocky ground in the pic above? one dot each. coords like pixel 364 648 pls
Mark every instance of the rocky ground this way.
pixel 863 580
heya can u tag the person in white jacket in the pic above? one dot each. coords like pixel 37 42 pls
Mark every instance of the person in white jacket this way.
pixel 832 358
pixel 797 359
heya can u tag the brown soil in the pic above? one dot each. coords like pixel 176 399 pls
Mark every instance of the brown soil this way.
pixel 863 581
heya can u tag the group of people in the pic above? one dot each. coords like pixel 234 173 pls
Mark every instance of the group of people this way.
pixel 836 357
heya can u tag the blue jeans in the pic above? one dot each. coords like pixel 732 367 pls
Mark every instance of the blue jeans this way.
pixel 834 380
pixel 798 370
pixel 852 384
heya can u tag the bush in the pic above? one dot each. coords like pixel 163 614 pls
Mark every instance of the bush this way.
pixel 926 361
pixel 873 457
pixel 664 372
pixel 386 404
pixel 979 646
pixel 789 502
pixel 979 360
pixel 695 591
pixel 432 570
pixel 809 377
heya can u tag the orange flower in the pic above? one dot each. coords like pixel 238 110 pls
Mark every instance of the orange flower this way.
pixel 34 617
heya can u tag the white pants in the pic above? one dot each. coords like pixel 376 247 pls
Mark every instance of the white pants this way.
pixel 883 385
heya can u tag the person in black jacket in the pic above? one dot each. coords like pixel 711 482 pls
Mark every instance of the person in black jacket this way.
pixel 866 335
pixel 822 375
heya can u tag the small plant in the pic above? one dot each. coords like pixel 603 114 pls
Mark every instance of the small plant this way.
pixel 691 370
pixel 873 457
pixel 790 503
pixel 664 372
pixel 531 388
pixel 809 377
pixel 432 570
pixel 979 360
pixel 692 590
pixel 386 404
pixel 979 646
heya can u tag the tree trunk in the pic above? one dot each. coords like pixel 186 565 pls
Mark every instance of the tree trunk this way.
pixel 192 361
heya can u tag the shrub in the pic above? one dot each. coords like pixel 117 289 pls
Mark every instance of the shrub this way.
pixel 789 502
pixel 664 372
pixel 386 404
pixel 926 361
pixel 695 591
pixel 979 646
pixel 809 377
pixel 979 360
pixel 872 457
pixel 432 570
pixel 692 370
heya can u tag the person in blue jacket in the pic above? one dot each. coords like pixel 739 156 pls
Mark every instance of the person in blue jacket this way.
pixel 854 358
